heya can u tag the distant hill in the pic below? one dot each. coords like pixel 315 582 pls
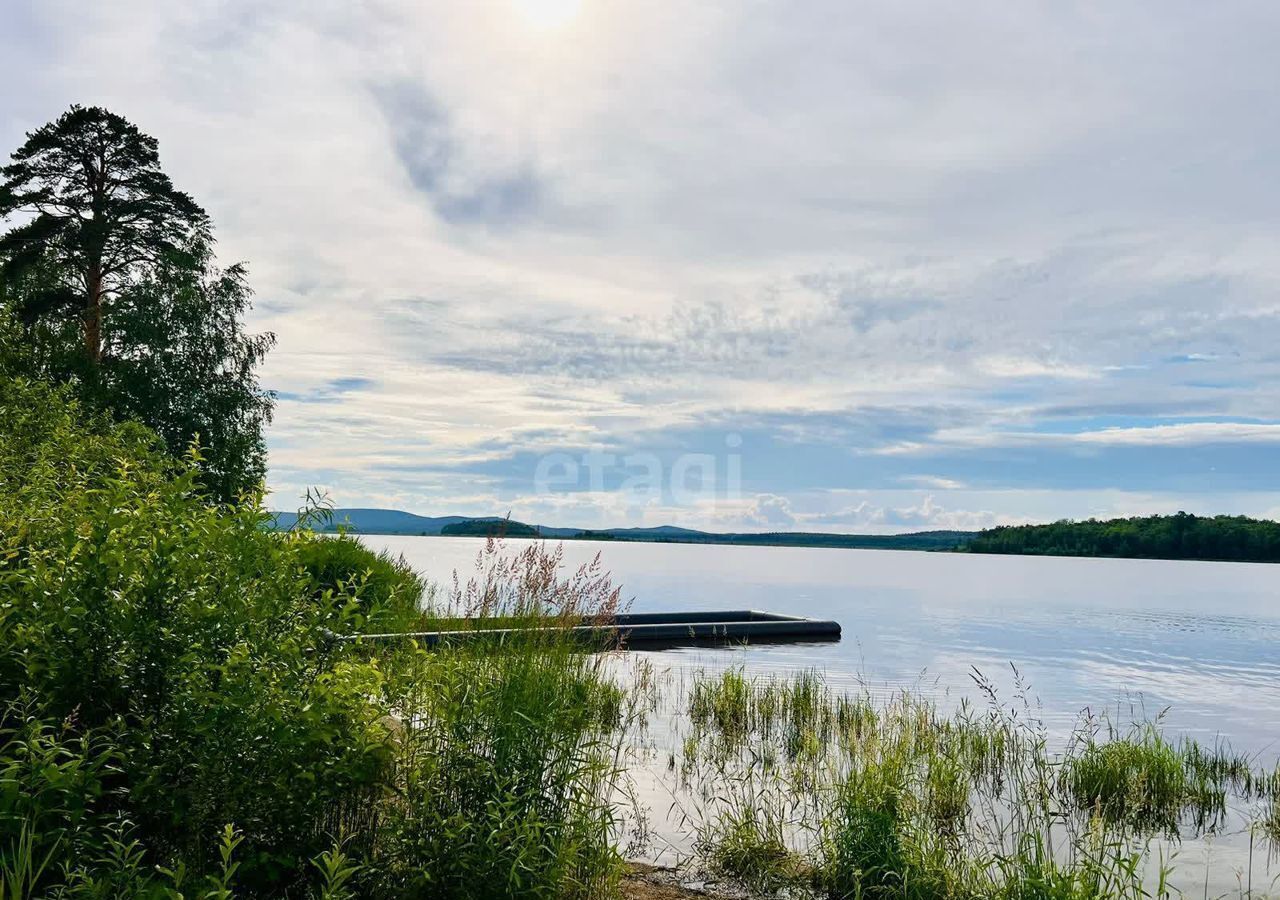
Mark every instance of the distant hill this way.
pixel 393 521
pixel 661 531
pixel 1182 536
pixel 918 540
pixel 379 521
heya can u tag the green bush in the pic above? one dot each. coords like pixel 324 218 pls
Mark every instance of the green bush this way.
pixel 56 787
pixel 183 721
pixel 509 747
pixel 509 757
pixel 187 632
pixel 385 592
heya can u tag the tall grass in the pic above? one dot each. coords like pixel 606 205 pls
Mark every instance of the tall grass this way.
pixel 1146 782
pixel 794 785
pixel 508 751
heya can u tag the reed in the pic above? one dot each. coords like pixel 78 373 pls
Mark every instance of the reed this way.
pixel 843 796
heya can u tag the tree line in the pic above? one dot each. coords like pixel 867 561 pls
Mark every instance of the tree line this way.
pixel 1180 536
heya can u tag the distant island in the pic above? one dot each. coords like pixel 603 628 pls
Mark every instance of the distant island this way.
pixel 1180 536
pixel 487 527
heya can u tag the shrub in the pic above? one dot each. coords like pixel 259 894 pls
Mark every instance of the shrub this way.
pixel 386 593
pixel 184 631
pixel 185 720
pixel 509 767
pixel 56 786
pixel 510 746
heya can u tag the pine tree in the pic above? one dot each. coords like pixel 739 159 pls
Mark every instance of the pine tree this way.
pixel 110 270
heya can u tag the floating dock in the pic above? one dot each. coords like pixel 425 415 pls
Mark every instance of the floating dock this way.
pixel 651 631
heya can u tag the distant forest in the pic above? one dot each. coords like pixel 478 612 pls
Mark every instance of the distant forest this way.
pixel 1181 536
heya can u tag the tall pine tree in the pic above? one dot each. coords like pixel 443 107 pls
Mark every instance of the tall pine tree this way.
pixel 110 270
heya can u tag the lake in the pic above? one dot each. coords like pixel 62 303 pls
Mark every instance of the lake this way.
pixel 1201 639
pixel 1197 643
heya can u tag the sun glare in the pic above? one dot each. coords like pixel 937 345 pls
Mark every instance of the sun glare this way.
pixel 548 14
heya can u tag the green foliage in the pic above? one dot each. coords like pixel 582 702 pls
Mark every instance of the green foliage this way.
pixel 336 870
pixel 751 849
pixel 385 595
pixel 186 631
pixel 1139 779
pixel 794 786
pixel 178 360
pixel 1182 536
pixel 511 751
pixel 864 845
pixel 108 285
pixel 187 725
pixel 56 786
pixel 100 211
pixel 1270 820
pixel 510 748
pixel 1142 780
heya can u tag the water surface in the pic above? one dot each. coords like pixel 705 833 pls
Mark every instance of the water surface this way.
pixel 1196 643
pixel 1200 639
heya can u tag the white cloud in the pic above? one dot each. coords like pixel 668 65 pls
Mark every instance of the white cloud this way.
pixel 933 481
pixel 1023 367
pixel 772 511
pixel 1182 434
pixel 929 514
pixel 663 215
pixel 1186 433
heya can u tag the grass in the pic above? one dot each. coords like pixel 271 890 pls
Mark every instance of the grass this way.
pixel 486 770
pixel 1146 782
pixel 752 849
pixel 839 795
pixel 507 753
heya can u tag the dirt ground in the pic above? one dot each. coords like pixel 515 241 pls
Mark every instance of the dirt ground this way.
pixel 636 888
pixel 653 883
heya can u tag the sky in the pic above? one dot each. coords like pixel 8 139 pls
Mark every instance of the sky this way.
pixel 799 265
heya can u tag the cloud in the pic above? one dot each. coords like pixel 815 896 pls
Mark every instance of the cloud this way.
pixel 424 143
pixel 933 481
pixel 332 392
pixel 928 514
pixel 772 511
pixel 859 239
pixel 924 516
pixel 1185 433
pixel 1023 367
pixel 1161 436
